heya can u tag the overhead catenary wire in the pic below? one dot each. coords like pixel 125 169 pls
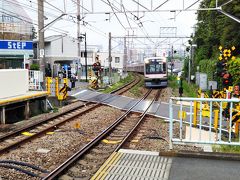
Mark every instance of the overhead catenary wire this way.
pixel 116 15
pixel 54 6
pixel 141 5
pixel 127 17
pixel 20 17
pixel 30 8
pixel 56 9
pixel 17 16
pixel 80 5
pixel 129 22
pixel 141 28
pixel 161 5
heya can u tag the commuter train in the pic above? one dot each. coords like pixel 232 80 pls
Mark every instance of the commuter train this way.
pixel 154 70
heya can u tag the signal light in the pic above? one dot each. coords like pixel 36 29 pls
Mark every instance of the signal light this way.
pixel 221 68
pixel 227 79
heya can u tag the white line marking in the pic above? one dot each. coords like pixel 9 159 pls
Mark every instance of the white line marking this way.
pixel 79 92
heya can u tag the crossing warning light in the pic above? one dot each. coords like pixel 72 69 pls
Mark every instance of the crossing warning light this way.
pixel 221 68
pixel 227 79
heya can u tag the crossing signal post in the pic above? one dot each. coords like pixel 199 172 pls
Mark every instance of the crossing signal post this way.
pixel 227 80
pixel 96 69
pixel 222 65
pixel 221 68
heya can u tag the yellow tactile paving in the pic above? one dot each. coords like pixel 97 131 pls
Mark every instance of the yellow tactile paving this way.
pixel 106 167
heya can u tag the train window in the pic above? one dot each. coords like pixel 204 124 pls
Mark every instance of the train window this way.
pixel 154 68
pixel 164 67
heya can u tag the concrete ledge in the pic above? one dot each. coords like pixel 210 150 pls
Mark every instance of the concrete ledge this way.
pixel 131 151
pixel 29 95
pixel 202 155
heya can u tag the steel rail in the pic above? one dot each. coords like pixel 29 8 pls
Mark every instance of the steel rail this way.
pixel 139 121
pixel 52 127
pixel 57 172
pixel 8 135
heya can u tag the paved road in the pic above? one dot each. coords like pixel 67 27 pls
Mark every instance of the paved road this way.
pixel 198 169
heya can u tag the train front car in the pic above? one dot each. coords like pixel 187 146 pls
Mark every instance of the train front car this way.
pixel 155 72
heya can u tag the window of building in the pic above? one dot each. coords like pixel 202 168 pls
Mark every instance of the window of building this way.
pixel 89 54
pixel 117 59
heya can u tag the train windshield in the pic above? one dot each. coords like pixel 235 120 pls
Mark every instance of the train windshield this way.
pixel 155 68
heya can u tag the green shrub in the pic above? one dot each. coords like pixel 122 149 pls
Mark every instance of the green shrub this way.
pixel 34 67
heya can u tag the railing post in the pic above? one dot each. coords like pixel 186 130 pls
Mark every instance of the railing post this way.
pixel 171 125
pixel 195 113
pixel 216 112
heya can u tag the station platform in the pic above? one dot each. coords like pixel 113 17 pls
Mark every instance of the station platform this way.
pixel 129 164
pixel 28 96
pixel 132 164
pixel 22 102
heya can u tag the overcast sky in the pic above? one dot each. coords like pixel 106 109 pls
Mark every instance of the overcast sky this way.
pixel 97 26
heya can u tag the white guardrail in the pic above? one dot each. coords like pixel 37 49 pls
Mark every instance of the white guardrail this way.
pixel 190 124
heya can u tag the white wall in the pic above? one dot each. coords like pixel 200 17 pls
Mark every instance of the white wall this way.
pixel 103 56
pixel 62 46
pixel 13 82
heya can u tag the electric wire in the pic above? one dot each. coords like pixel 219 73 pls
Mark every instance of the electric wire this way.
pixel 56 9
pixel 17 16
pixel 30 8
pixel 54 6
pixel 161 5
pixel 116 15
pixel 80 5
pixel 142 29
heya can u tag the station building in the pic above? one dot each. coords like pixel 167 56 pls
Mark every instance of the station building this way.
pixel 17 100
pixel 16 47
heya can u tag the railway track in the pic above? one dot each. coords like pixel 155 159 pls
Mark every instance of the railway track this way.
pixel 17 138
pixel 84 163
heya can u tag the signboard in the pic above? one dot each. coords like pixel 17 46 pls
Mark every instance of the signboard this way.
pixel 213 84
pixel 41 53
pixel 203 81
pixel 16 45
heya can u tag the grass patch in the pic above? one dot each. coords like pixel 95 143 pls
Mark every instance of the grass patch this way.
pixel 172 82
pixel 55 109
pixel 226 148
pixel 136 89
pixel 119 84
pixel 189 90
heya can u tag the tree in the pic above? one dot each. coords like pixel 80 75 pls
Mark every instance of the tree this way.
pixel 214 29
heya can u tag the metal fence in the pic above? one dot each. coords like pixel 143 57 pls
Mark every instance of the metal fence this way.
pixel 35 80
pixel 203 121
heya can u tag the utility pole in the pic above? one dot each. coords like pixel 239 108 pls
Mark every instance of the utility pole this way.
pixel 189 65
pixel 78 36
pixel 85 55
pixel 110 58
pixel 125 55
pixel 41 53
pixel 172 61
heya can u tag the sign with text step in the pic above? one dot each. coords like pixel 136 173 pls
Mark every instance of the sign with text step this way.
pixel 16 45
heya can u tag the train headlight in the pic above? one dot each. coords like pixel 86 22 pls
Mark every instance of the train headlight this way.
pixel 146 61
